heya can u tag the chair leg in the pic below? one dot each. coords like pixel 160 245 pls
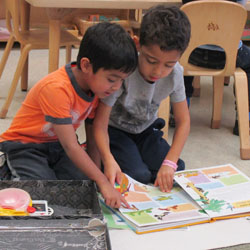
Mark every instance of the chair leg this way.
pixel 218 87
pixel 24 77
pixel 14 83
pixel 226 80
pixel 241 91
pixel 196 86
pixel 164 111
pixel 68 53
pixel 6 53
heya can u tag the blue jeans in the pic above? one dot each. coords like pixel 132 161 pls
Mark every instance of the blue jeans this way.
pixel 45 161
pixel 141 155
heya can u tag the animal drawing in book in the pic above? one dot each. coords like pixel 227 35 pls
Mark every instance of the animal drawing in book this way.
pixel 220 190
pixel 150 206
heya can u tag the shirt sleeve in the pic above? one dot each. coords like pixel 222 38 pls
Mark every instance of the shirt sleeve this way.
pixel 178 95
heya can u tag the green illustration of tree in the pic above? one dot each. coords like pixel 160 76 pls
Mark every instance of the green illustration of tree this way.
pixel 213 205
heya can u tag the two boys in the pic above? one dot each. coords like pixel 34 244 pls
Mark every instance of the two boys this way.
pixel 41 142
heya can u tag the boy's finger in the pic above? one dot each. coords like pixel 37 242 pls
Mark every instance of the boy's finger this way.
pixel 156 184
pixel 124 202
pixel 169 184
pixel 165 185
pixel 119 178
pixel 117 204
pixel 161 184
pixel 111 180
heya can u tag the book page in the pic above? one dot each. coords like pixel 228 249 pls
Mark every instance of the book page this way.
pixel 151 207
pixel 221 190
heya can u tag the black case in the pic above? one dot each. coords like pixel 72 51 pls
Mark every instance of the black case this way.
pixel 77 221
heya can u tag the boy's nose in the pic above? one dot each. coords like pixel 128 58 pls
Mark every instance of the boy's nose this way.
pixel 116 86
pixel 157 71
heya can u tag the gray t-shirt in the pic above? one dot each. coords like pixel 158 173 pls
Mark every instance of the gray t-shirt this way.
pixel 136 103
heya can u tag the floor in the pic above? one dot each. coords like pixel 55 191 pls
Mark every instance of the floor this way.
pixel 204 147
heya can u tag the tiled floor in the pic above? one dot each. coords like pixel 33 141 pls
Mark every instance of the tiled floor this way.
pixel 205 146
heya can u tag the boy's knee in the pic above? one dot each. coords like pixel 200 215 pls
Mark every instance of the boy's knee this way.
pixel 144 177
pixel 181 165
pixel 141 176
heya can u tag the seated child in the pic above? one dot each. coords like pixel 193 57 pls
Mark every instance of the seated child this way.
pixel 134 127
pixel 41 142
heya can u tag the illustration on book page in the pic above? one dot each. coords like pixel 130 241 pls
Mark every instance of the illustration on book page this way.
pixel 221 191
pixel 150 206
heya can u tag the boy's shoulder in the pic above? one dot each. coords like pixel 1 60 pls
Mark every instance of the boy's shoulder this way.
pixel 178 69
pixel 57 77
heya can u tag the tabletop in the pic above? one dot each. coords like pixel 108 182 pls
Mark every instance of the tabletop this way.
pixel 106 4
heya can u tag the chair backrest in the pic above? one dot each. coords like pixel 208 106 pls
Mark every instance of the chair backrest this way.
pixel 214 22
pixel 14 12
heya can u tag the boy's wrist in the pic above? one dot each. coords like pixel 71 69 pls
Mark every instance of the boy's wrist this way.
pixel 170 164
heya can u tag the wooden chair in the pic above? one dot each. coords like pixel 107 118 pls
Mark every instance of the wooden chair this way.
pixel 220 23
pixel 17 19
pixel 197 86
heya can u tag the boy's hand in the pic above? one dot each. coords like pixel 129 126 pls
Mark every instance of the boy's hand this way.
pixel 112 197
pixel 113 172
pixel 165 178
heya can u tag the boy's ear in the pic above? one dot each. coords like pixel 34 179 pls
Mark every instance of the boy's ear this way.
pixel 85 65
pixel 136 41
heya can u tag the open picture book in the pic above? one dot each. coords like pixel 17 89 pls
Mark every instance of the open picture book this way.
pixel 198 196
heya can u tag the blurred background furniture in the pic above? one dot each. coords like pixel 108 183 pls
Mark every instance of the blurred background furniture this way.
pixel 17 21
pixel 223 26
pixel 57 10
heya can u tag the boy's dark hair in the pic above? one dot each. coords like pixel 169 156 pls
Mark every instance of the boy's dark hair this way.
pixel 165 26
pixel 108 46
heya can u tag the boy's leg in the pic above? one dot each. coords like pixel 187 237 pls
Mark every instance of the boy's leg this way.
pixel 154 148
pixel 60 163
pixel 27 161
pixel 128 157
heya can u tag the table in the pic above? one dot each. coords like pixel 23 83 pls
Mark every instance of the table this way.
pixel 57 9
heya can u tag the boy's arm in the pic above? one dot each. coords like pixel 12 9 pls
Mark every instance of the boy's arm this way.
pixel 67 137
pixel 92 149
pixel 100 127
pixel 182 127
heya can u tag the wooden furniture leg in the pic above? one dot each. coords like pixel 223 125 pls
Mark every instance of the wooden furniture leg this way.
pixel 218 87
pixel 25 25
pixel 14 83
pixel 68 54
pixel 54 42
pixel 196 86
pixel 6 53
pixel 241 90
pixel 24 75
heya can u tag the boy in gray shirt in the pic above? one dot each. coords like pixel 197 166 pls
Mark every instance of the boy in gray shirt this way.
pixel 135 136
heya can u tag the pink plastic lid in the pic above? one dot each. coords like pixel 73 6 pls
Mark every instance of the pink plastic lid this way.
pixel 14 198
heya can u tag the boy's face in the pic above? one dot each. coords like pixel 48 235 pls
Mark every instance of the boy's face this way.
pixel 155 63
pixel 105 82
